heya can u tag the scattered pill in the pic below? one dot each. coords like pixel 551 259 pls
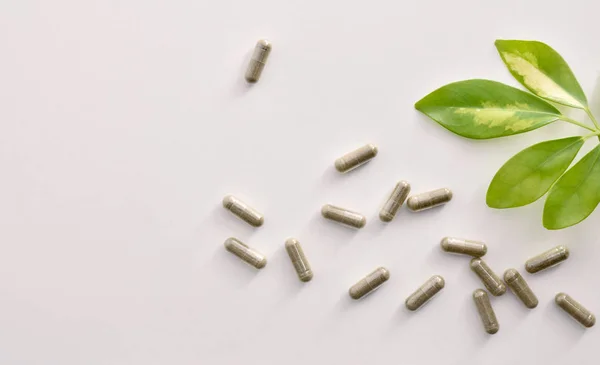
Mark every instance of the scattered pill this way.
pixel 243 211
pixel 343 216
pixel 425 292
pixel 369 283
pixel 429 199
pixel 356 158
pixel 395 201
pixel 462 246
pixel 258 60
pixel 486 312
pixel 294 250
pixel 491 281
pixel 575 309
pixel 514 280
pixel 245 253
pixel 547 259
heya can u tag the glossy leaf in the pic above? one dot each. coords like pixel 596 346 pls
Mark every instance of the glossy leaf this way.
pixel 482 109
pixel 528 175
pixel 542 70
pixel 576 194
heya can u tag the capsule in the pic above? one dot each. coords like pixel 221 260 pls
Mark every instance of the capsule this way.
pixel 343 216
pixel 369 283
pixel 245 253
pixel 486 312
pixel 462 246
pixel 519 287
pixel 243 211
pixel 356 158
pixel 575 310
pixel 545 260
pixel 425 292
pixel 428 200
pixel 294 250
pixel 491 281
pixel 258 60
pixel 395 201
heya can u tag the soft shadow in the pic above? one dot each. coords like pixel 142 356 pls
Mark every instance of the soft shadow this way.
pixel 241 86
pixel 320 226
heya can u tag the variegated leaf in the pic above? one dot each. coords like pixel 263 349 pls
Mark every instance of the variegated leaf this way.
pixel 482 109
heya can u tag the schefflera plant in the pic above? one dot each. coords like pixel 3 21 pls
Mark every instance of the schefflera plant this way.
pixel 482 109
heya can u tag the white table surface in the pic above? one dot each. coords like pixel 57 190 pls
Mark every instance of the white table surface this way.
pixel 124 123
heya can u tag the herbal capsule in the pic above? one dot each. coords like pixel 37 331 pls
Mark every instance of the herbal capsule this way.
pixel 547 259
pixel 258 60
pixel 491 281
pixel 294 250
pixel 519 287
pixel 425 292
pixel 369 283
pixel 395 201
pixel 343 216
pixel 358 157
pixel 429 199
pixel 486 312
pixel 243 211
pixel 465 247
pixel 245 253
pixel 575 309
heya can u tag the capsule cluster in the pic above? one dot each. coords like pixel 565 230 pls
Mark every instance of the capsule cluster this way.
pixel 493 284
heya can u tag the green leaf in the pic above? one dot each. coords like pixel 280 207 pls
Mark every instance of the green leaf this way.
pixel 528 175
pixel 484 109
pixel 576 194
pixel 542 70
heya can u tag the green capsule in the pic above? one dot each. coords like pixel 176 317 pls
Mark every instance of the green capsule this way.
pixel 258 61
pixel 519 287
pixel 575 310
pixel 462 246
pixel 243 211
pixel 491 281
pixel 428 200
pixel 296 254
pixel 369 283
pixel 245 253
pixel 356 158
pixel 425 292
pixel 545 260
pixel 486 312
pixel 343 216
pixel 395 201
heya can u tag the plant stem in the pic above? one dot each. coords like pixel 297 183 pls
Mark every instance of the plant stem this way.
pixel 589 113
pixel 591 135
pixel 573 121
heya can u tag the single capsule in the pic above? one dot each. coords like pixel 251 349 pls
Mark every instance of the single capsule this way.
pixel 343 216
pixel 258 60
pixel 545 260
pixel 519 287
pixel 369 283
pixel 356 158
pixel 575 310
pixel 486 312
pixel 294 250
pixel 425 292
pixel 462 246
pixel 243 211
pixel 395 201
pixel 245 253
pixel 430 199
pixel 491 281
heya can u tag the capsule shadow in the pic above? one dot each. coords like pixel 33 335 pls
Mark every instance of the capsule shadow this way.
pixel 224 218
pixel 226 264
pixel 241 86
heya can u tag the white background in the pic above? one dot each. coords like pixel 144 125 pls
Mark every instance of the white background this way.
pixel 124 123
